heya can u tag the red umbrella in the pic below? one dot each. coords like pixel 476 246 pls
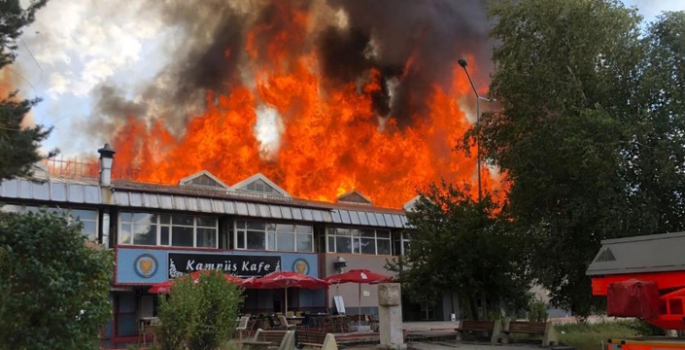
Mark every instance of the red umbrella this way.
pixel 287 280
pixel 358 276
pixel 165 287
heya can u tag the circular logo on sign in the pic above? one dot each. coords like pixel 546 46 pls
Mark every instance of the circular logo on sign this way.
pixel 301 266
pixel 145 265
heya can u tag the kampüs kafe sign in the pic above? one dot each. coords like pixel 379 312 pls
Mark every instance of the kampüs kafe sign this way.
pixel 238 265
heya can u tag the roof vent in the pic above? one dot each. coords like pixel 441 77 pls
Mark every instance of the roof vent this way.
pixel 605 256
pixel 203 179
pixel 354 197
pixel 258 184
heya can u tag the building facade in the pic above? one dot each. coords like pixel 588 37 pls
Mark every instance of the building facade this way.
pixel 250 229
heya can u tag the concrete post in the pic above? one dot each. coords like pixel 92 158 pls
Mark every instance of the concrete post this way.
pixel 390 316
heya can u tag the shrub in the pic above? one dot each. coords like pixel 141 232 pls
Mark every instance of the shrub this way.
pixel 644 328
pixel 199 316
pixel 537 310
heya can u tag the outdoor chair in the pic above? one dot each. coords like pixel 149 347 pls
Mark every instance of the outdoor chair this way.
pixel 284 323
pixel 242 326
pixel 272 324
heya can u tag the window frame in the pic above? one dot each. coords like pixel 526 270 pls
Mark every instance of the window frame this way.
pixel 236 232
pixel 170 225
pixel 22 208
pixel 356 240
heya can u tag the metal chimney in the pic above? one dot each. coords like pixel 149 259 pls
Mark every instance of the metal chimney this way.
pixel 106 160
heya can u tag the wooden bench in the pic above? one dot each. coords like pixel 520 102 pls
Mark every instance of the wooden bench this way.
pixel 272 340
pixel 324 341
pixel 544 329
pixel 491 328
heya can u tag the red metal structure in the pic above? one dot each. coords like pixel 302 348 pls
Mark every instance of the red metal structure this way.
pixel 643 277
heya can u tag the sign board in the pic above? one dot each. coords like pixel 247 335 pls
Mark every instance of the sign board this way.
pixel 238 265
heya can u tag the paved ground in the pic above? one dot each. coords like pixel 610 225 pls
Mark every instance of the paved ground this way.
pixel 463 346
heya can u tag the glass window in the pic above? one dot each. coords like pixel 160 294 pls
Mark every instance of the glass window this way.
pixel 164 235
pixel 126 217
pixel 9 208
pixel 303 229
pixel 181 236
pixel 256 225
pixel 359 241
pixel 145 234
pixel 125 234
pixel 305 242
pixel 271 240
pixel 165 219
pixel 368 246
pixel 343 244
pixel 241 240
pixel 368 233
pixel 256 240
pixel 331 244
pixel 206 222
pixel 83 215
pixel 286 241
pixel 206 238
pixel 185 220
pixel 383 234
pixel 383 246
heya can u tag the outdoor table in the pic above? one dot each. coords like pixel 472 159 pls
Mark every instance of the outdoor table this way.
pixel 256 344
pixel 338 321
pixel 295 319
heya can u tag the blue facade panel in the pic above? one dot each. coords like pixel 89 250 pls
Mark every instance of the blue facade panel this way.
pixel 149 266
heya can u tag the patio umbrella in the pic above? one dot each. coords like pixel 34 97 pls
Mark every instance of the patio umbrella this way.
pixel 287 280
pixel 358 276
pixel 165 287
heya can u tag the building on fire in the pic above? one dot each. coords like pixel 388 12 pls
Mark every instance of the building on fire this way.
pixel 249 229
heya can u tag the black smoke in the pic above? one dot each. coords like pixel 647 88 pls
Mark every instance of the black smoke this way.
pixel 211 36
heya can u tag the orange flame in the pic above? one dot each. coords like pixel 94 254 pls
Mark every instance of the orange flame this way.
pixel 332 141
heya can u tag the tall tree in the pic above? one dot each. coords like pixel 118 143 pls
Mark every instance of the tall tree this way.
pixel 55 297
pixel 461 245
pixel 18 144
pixel 655 155
pixel 589 149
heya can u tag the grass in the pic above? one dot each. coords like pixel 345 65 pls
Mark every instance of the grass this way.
pixel 590 336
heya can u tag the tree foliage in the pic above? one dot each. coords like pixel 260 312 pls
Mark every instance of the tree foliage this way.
pixel 461 245
pixel 54 298
pixel 199 316
pixel 18 143
pixel 590 133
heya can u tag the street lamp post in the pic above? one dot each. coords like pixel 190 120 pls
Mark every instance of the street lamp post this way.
pixel 463 64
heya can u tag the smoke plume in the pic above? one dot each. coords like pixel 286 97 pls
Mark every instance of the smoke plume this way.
pixel 412 44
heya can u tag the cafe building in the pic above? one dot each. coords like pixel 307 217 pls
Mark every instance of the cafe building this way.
pixel 249 229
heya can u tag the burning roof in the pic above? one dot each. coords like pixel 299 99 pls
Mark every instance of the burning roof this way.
pixel 322 97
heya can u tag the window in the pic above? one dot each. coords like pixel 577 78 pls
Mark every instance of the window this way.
pixel 358 241
pixel 88 218
pixel 168 230
pixel 260 235
pixel 401 243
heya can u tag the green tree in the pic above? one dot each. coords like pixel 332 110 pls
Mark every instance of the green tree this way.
pixel 589 133
pixel 655 155
pixel 462 245
pixel 199 316
pixel 57 288
pixel 18 145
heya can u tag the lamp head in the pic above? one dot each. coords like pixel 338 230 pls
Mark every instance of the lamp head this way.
pixel 462 62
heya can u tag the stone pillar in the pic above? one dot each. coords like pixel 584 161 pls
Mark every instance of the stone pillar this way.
pixel 390 316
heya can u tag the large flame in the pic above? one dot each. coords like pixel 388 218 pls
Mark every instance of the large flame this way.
pixel 322 139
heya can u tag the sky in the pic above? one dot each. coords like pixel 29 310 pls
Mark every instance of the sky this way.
pixel 74 46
